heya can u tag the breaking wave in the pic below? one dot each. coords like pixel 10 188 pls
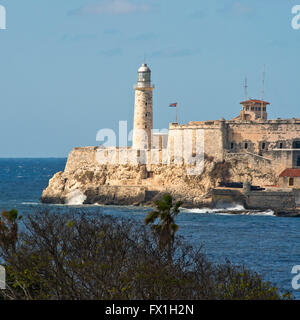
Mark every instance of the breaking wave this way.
pixel 76 198
pixel 230 210
pixel 30 203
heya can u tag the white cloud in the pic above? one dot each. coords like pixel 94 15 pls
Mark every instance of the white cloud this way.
pixel 241 9
pixel 174 53
pixel 236 8
pixel 114 7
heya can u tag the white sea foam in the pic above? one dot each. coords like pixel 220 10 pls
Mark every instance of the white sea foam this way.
pixel 226 211
pixel 263 213
pixel 234 207
pixel 30 203
pixel 202 210
pixel 98 205
pixel 76 198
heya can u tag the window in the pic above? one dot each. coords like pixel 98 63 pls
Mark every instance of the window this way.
pixel 280 145
pixel 291 182
pixel 263 146
pixel 298 162
pixel 246 145
pixel 296 145
pixel 231 145
pixel 144 76
pixel 150 174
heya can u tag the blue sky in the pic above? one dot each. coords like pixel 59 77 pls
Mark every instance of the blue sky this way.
pixel 67 68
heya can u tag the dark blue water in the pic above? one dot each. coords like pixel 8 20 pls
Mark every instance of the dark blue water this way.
pixel 264 243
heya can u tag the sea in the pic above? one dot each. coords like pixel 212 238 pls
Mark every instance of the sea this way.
pixel 260 241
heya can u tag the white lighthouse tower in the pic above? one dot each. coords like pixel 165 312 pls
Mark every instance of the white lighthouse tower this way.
pixel 143 110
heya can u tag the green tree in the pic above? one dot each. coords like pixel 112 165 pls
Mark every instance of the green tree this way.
pixel 163 222
pixel 9 230
pixel 74 256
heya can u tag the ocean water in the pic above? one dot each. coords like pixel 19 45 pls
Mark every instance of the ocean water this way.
pixel 262 242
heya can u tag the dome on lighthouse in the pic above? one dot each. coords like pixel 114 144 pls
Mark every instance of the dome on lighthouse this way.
pixel 144 68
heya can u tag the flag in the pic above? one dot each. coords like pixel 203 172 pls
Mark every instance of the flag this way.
pixel 173 104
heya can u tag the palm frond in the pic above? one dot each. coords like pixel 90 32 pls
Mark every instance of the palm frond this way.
pixel 151 217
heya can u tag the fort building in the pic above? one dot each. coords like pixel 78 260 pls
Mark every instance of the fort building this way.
pixel 249 135
pixel 249 146
pixel 290 178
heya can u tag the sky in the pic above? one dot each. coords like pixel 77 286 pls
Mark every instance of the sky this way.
pixel 67 68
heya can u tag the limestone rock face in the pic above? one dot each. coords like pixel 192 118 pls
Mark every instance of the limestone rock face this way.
pixel 54 193
pixel 86 181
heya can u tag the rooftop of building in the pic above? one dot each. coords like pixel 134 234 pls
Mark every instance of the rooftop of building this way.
pixel 291 173
pixel 254 101
pixel 235 121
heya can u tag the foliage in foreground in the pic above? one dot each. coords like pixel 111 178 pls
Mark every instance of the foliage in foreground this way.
pixel 166 228
pixel 75 256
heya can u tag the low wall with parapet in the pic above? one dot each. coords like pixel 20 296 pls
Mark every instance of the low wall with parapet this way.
pixel 81 158
pixel 222 198
pixel 270 200
pixel 280 199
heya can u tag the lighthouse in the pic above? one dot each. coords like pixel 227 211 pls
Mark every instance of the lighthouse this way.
pixel 143 110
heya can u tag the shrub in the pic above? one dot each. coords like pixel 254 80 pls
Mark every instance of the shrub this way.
pixel 76 256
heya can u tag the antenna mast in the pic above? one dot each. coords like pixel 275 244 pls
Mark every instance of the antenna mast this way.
pixel 263 90
pixel 246 88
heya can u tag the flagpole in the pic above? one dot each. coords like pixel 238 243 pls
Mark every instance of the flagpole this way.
pixel 175 105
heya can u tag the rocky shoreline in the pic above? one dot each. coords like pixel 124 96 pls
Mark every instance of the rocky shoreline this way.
pixel 118 195
pixel 88 182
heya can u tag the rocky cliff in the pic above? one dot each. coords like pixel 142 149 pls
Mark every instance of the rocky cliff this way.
pixel 86 181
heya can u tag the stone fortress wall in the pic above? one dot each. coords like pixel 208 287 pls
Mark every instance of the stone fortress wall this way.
pixel 209 138
pixel 116 183
pixel 262 136
pixel 275 142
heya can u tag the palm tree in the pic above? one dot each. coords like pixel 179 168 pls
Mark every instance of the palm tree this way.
pixel 166 227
